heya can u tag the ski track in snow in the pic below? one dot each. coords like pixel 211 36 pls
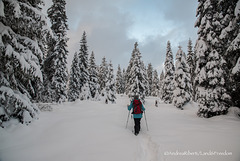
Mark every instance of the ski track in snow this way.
pixel 94 131
pixel 147 150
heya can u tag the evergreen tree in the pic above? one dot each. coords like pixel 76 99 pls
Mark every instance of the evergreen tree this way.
pixel 182 80
pixel 236 84
pixel 230 37
pixel 168 83
pixel 124 80
pixel 155 86
pixel 137 80
pixel 97 96
pixel 145 78
pixel 93 78
pixel 210 74
pixel 23 30
pixel 85 93
pixel 161 85
pixel 191 63
pixel 150 78
pixel 110 85
pixel 128 75
pixel 55 69
pixel 119 81
pixel 83 64
pixel 102 75
pixel 73 92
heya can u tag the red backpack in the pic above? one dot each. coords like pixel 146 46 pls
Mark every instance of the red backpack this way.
pixel 137 107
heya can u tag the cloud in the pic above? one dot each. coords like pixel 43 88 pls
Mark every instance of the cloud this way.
pixel 154 50
pixel 182 14
pixel 106 30
pixel 113 26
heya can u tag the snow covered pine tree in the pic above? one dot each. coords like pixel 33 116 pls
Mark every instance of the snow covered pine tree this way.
pixel 155 86
pixel 102 77
pixel 119 81
pixel 73 91
pixel 93 78
pixel 168 83
pixel 23 28
pixel 83 67
pixel 230 42
pixel 161 79
pixel 137 76
pixel 110 85
pixel 211 93
pixel 150 79
pixel 55 64
pixel 182 80
pixel 191 63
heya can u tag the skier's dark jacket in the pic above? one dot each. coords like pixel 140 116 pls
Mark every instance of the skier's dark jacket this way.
pixel 136 115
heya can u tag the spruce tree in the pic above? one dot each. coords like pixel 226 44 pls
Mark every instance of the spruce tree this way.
pixel 230 37
pixel 236 84
pixel 83 62
pixel 110 85
pixel 73 91
pixel 124 80
pixel 155 85
pixel 128 75
pixel 150 79
pixel 191 63
pixel 145 78
pixel 55 64
pixel 182 80
pixel 137 76
pixel 23 30
pixel 211 93
pixel 168 83
pixel 119 81
pixel 93 78
pixel 161 85
pixel 85 93
pixel 102 74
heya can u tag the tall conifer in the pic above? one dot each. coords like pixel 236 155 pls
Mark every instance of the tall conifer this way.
pixel 55 64
pixel 83 67
pixel 110 85
pixel 73 91
pixel 137 76
pixel 119 81
pixel 168 83
pixel 211 93
pixel 23 30
pixel 93 77
pixel 155 86
pixel 182 92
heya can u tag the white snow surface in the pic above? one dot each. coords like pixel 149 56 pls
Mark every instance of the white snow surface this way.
pixel 95 131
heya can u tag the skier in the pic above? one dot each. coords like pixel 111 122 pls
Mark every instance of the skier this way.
pixel 138 109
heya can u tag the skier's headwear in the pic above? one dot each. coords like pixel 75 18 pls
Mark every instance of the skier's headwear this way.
pixel 136 97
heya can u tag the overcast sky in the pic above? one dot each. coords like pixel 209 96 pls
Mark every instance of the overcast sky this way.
pixel 113 26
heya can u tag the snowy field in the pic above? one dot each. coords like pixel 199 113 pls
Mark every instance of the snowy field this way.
pixel 94 131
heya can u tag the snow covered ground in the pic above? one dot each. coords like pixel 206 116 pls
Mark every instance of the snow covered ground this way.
pixel 94 131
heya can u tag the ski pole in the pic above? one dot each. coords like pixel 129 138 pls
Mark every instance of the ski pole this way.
pixel 146 120
pixel 127 119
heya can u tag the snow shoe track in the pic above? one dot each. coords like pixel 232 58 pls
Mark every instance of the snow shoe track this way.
pixel 147 150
